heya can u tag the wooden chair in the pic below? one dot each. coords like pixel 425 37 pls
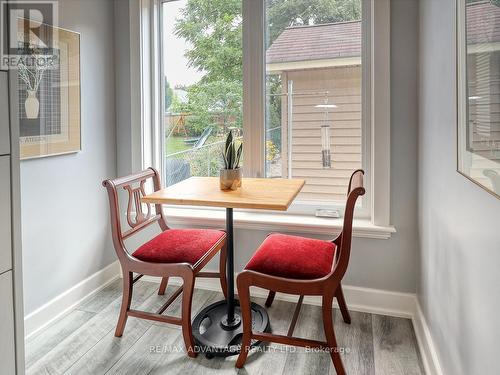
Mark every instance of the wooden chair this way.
pixel 174 252
pixel 301 266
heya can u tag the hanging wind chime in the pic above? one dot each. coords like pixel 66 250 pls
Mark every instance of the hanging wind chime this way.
pixel 325 135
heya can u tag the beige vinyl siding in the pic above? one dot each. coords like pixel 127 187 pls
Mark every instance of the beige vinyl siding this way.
pixel 484 114
pixel 344 90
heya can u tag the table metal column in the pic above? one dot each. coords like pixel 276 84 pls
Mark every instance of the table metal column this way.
pixel 231 319
pixel 217 329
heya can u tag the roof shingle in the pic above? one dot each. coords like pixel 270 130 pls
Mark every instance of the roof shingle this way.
pixel 327 41
pixel 343 39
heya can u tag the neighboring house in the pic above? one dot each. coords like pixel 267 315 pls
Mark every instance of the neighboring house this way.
pixel 324 62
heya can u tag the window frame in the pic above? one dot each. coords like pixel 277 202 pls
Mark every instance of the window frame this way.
pixel 375 99
pixel 254 103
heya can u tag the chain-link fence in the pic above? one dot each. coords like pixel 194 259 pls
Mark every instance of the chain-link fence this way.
pixel 202 161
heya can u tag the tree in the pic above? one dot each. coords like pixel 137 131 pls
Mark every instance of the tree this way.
pixel 284 13
pixel 213 29
pixel 216 104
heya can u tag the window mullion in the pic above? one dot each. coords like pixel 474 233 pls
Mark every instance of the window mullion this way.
pixel 380 111
pixel 253 88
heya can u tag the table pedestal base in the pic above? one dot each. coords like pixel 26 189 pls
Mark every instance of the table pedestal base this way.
pixel 215 336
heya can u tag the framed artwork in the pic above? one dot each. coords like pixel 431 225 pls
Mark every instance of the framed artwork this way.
pixel 49 94
pixel 478 92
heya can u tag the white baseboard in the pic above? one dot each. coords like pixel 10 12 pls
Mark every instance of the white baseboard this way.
pixel 426 344
pixel 368 300
pixel 58 306
pixel 373 301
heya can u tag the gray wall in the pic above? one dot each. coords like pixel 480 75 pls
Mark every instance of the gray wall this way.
pixel 459 283
pixel 122 85
pixel 64 207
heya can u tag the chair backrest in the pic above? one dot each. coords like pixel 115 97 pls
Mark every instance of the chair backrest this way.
pixel 343 241
pixel 138 214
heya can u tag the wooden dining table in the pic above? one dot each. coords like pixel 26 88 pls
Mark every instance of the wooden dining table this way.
pixel 217 329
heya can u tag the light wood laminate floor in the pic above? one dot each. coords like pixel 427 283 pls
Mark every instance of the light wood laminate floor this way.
pixel 83 342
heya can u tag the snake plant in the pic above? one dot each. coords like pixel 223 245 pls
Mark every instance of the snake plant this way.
pixel 231 152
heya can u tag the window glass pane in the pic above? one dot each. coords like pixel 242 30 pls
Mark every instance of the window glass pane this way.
pixel 202 65
pixel 479 134
pixel 313 94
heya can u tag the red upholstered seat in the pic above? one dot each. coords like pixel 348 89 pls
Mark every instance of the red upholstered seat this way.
pixel 293 257
pixel 179 245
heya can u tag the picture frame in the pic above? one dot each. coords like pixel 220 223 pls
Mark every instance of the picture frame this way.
pixel 478 93
pixel 49 95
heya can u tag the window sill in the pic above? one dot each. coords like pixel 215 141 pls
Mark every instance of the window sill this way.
pixel 279 222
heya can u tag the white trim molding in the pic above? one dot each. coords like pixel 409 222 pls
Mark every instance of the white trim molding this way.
pixel 63 303
pixel 275 222
pixel 375 301
pixel 380 102
pixel 253 88
pixel 426 343
pixel 151 83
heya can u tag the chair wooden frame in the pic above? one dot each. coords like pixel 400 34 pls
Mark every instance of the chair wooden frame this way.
pixel 137 220
pixel 328 287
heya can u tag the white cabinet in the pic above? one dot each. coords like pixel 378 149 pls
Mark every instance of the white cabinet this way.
pixel 4 115
pixel 7 344
pixel 11 298
pixel 11 278
pixel 5 215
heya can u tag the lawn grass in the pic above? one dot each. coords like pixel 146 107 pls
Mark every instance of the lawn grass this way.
pixel 176 144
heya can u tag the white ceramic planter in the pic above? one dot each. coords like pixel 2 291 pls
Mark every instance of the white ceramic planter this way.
pixel 230 179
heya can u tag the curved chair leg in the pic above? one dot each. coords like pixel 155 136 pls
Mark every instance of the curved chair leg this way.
pixel 343 307
pixel 222 270
pixel 187 296
pixel 244 296
pixel 270 298
pixel 330 335
pixel 126 299
pixel 163 286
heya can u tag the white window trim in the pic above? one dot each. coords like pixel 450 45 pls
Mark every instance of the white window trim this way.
pixel 269 221
pixel 145 86
pixel 380 161
pixel 253 88
pixel 369 223
pixel 151 84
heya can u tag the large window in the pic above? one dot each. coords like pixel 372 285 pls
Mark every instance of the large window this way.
pixel 298 70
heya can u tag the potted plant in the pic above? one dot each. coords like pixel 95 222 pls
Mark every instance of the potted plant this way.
pixel 230 175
